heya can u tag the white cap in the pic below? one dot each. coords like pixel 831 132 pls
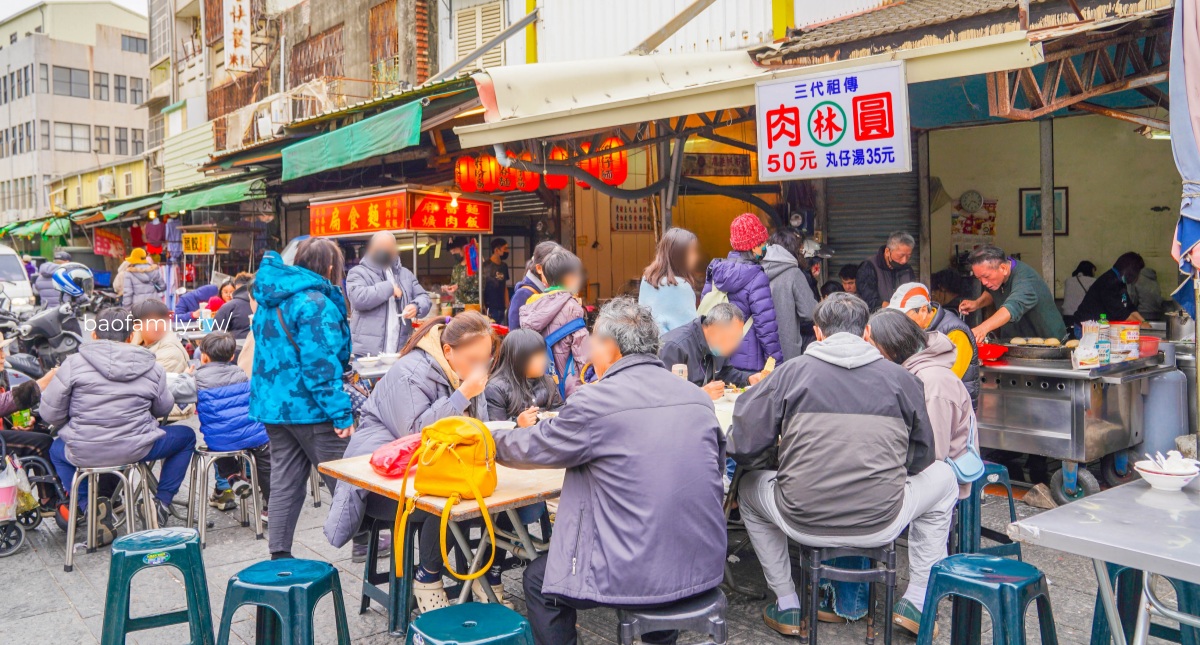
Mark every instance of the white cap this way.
pixel 909 296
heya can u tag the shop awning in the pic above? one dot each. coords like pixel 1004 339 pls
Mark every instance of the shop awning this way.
pixel 381 134
pixel 113 212
pixel 217 195
pixel 28 229
pixel 58 227
pixel 555 99
pixel 84 213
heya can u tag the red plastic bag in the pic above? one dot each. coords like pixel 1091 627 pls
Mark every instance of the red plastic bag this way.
pixel 391 460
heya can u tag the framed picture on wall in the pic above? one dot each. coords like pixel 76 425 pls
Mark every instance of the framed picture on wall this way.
pixel 1031 211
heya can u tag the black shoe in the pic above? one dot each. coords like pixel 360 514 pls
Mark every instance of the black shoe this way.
pixel 164 513
pixel 240 486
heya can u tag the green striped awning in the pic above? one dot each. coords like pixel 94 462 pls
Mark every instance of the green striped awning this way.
pixel 113 212
pixel 58 227
pixel 381 134
pixel 28 229
pixel 82 213
pixel 218 195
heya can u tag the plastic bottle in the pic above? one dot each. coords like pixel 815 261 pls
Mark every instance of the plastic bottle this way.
pixel 1103 344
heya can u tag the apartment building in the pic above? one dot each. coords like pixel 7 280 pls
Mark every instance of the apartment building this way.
pixel 73 76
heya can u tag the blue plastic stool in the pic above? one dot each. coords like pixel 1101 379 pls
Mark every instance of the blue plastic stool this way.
pixel 398 598
pixel 471 623
pixel 291 588
pixel 1127 583
pixel 177 547
pixel 1005 587
pixel 970 514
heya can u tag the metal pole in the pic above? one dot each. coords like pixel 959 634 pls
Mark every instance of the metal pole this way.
pixel 479 269
pixel 414 250
pixel 1046 139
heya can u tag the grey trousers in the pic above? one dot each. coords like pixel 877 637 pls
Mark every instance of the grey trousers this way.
pixel 295 449
pixel 928 508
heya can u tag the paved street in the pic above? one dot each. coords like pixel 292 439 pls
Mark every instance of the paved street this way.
pixel 51 606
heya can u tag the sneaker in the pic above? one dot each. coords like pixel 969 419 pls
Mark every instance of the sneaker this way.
pixel 164 513
pixel 906 615
pixel 826 614
pixel 240 486
pixel 358 554
pixel 264 516
pixel 222 500
pixel 784 621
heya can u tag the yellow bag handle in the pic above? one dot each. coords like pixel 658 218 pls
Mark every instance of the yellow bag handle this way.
pixel 487 521
pixel 402 518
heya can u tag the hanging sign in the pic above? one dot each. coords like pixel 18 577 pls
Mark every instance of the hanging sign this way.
pixel 442 213
pixel 200 243
pixel 383 212
pixel 108 244
pixel 237 35
pixel 836 124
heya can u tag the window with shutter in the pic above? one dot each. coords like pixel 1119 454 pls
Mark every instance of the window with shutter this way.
pixel 475 26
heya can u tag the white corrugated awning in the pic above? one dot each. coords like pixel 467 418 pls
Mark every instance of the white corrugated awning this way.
pixel 554 99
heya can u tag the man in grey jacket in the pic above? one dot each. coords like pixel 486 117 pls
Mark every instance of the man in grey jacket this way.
pixel 640 521
pixel 384 299
pixel 105 401
pixel 853 470
pixel 794 300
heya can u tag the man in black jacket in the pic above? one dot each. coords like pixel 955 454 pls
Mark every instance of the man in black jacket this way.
pixel 883 272
pixel 853 470
pixel 703 346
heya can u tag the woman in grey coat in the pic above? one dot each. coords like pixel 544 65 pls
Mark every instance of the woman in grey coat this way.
pixel 794 301
pixel 421 388
pixel 142 280
pixel 385 298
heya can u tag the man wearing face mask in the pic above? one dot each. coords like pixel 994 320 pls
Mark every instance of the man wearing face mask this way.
pixel 384 297
pixel 884 272
pixel 704 346
pixel 495 285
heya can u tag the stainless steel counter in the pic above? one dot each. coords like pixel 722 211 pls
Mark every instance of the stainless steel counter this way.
pixel 1062 369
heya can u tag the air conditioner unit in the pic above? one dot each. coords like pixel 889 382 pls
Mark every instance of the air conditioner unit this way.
pixel 104 186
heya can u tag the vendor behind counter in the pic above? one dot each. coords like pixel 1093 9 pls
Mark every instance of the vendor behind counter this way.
pixel 1109 294
pixel 1024 304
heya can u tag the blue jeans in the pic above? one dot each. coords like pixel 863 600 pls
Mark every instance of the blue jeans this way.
pixel 175 449
pixel 848 599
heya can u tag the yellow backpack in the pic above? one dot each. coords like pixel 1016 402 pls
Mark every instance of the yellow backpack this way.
pixel 457 459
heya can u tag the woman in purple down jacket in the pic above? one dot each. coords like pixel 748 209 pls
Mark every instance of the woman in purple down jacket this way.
pixel 749 289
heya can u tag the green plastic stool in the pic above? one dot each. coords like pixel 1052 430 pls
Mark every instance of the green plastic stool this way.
pixel 471 623
pixel 1004 587
pixel 287 591
pixel 177 547
pixel 1127 584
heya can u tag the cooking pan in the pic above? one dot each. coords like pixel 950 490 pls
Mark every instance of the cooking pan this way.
pixel 1038 352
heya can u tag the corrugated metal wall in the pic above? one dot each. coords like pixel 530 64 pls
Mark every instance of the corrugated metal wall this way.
pixel 190 146
pixel 862 212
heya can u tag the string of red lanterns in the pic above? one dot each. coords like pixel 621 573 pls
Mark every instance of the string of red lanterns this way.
pixel 485 174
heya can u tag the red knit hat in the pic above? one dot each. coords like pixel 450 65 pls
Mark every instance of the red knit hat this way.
pixel 746 232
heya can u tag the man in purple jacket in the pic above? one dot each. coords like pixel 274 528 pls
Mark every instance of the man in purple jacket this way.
pixel 640 521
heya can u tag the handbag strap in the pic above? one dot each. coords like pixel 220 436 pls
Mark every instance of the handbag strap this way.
pixel 279 315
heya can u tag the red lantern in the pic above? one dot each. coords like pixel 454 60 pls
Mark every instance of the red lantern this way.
pixel 557 182
pixel 614 166
pixel 506 178
pixel 487 173
pixel 590 166
pixel 527 180
pixel 464 174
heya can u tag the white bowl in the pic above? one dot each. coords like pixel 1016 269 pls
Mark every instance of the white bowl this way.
pixel 500 425
pixel 388 359
pixel 368 361
pixel 1161 481
pixel 542 416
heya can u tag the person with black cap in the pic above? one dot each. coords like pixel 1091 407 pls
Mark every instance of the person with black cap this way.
pixel 495 281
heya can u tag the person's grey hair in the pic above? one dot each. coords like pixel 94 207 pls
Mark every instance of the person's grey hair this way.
pixel 987 254
pixel 899 239
pixel 842 312
pixel 629 325
pixel 723 314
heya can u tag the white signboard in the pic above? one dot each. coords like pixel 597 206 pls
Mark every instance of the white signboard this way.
pixel 237 35
pixel 836 124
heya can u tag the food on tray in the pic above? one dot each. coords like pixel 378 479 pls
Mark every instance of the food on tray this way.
pixel 1052 342
pixel 770 366
pixel 1072 344
pixel 734 390
pixel 1018 341
pixel 1035 341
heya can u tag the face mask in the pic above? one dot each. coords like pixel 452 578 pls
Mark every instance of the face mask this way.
pixel 504 255
pixel 715 352
pixel 382 258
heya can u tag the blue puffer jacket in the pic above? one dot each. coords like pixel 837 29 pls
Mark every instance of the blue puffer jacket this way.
pixel 298 379
pixel 749 289
pixel 223 403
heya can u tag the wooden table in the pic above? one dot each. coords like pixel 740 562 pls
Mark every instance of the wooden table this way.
pixel 515 489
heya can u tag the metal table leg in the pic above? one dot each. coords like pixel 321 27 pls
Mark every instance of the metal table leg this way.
pixel 1108 598
pixel 527 545
pixel 728 579
pixel 476 558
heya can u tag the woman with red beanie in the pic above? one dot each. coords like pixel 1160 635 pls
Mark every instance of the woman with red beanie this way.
pixel 741 277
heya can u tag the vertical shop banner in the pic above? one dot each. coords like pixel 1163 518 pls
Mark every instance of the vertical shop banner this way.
pixel 836 124
pixel 237 35
pixel 108 244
